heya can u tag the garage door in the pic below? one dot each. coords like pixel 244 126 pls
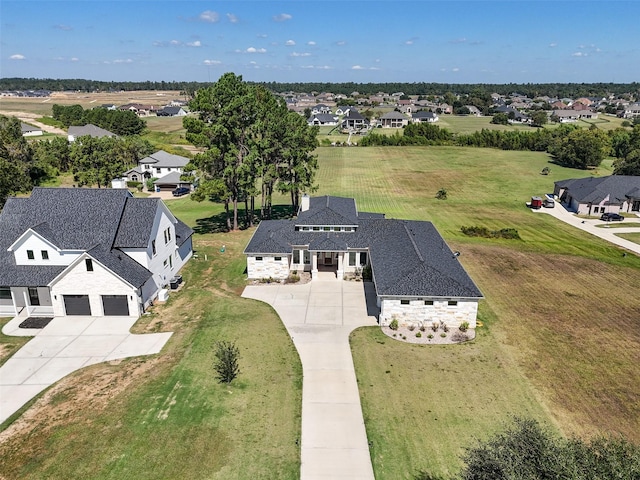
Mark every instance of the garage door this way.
pixel 77 304
pixel 115 305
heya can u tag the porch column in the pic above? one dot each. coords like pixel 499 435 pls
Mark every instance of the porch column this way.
pixel 26 301
pixel 340 272
pixel 314 265
pixel 13 300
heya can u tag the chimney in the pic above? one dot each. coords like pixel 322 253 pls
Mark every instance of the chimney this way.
pixel 304 203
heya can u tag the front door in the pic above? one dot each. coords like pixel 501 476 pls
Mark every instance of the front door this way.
pixel 34 298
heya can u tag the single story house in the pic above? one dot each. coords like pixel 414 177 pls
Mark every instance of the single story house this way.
pixel 567 116
pixel 83 251
pixel 172 111
pixel 75 132
pixel 322 119
pixel 30 130
pixel 422 116
pixel 417 277
pixel 597 195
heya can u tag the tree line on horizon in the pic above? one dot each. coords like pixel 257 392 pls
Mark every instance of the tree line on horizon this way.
pixel 531 90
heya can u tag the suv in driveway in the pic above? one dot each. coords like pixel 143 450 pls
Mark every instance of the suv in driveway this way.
pixel 611 217
pixel 178 192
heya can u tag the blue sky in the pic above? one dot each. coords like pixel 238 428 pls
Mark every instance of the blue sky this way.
pixel 323 40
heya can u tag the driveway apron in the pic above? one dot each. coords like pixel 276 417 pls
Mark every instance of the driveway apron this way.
pixel 66 344
pixel 319 317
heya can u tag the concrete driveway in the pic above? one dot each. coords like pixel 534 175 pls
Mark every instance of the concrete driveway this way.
pixel 319 317
pixel 589 225
pixel 66 344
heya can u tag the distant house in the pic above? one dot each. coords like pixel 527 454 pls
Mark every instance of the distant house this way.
pixel 91 130
pixel 30 130
pixel 424 117
pixel 353 120
pixel 393 119
pixel 597 195
pixel 320 108
pixel 632 110
pixel 417 278
pixel 90 252
pixel 165 167
pixel 343 110
pixel 170 111
pixel 322 119
pixel 139 109
pixel 473 110
pixel 567 116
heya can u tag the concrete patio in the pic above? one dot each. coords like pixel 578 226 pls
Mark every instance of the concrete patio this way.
pixel 319 317
pixel 66 344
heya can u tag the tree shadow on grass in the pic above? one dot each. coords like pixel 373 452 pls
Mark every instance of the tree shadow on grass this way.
pixel 218 223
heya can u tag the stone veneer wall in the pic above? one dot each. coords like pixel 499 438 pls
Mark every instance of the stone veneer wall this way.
pixel 417 311
pixel 268 267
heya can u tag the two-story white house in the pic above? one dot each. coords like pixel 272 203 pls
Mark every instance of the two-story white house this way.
pixel 417 277
pixel 165 167
pixel 97 252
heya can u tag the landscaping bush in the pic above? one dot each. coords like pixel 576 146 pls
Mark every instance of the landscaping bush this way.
pixel 394 324
pixel 476 231
pixel 132 184
pixel 464 326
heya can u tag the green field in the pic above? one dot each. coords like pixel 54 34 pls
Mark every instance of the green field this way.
pixel 559 342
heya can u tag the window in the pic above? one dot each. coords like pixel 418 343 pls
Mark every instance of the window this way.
pixel 296 256
pixel 165 236
pixel 278 259
pixel 30 255
pixel 158 170
pixel 307 257
pixel 326 229
pixel 404 302
pixel 352 259
pixel 452 303
pixel 258 259
pixel 164 264
pixel 363 258
pixel 89 264
pixel 428 302
pixel 5 293
pixel 316 229
pixel 45 254
pixel 153 247
pixel 169 233
pixel 170 261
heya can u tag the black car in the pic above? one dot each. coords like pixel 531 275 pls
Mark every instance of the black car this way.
pixel 178 192
pixel 611 217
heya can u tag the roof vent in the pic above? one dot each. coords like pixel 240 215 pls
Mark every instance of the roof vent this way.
pixel 304 203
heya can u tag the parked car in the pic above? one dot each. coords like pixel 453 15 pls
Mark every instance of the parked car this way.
pixel 611 217
pixel 178 192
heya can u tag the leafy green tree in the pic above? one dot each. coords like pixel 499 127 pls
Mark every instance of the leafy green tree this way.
pixel 500 119
pixel 97 161
pixel 17 169
pixel 539 118
pixel 226 363
pixel 581 148
pixel 625 146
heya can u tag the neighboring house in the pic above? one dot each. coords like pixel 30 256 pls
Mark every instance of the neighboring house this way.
pixel 343 110
pixel 353 120
pixel 170 111
pixel 597 195
pixel 393 119
pixel 473 110
pixel 416 276
pixel 567 116
pixel 30 130
pixel 322 119
pixel 158 165
pixel 632 110
pixel 320 108
pixel 139 109
pixel 171 181
pixel 423 116
pixel 81 251
pixel 75 132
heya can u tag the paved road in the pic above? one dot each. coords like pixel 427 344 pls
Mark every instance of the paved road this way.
pixel 66 344
pixel 589 225
pixel 319 316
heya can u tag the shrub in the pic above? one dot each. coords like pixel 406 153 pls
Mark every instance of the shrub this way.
pixel 430 336
pixel 422 327
pixel 411 327
pixel 292 278
pixel 443 335
pixel 464 326
pixel 435 326
pixel 444 326
pixel 366 272
pixel 484 232
pixel 441 194
pixel 394 324
pixel 226 363
pixel 418 335
pixel 132 184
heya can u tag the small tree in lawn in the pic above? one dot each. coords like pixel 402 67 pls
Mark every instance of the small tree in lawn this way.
pixel 442 194
pixel 226 364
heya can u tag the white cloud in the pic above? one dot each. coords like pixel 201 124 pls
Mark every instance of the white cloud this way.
pixel 212 62
pixel 175 42
pixel 262 35
pixel 455 69
pixel 17 56
pixel 357 67
pixel 75 59
pixel 194 44
pixel 579 54
pixel 65 28
pixel 409 42
pixel 283 17
pixel 553 45
pixel 311 43
pixel 121 60
pixel 209 16
pixel 256 50
pixel 317 67
pixel 458 40
pixel 232 18
pixel 300 54
pixel 341 43
pixel 290 43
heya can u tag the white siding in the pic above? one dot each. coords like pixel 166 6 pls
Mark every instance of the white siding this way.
pixel 36 244
pixel 101 281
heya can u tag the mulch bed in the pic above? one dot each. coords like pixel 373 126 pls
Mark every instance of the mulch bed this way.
pixel 35 322
pixel 453 336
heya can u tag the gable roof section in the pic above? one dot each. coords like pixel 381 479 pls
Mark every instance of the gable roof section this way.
pixel 329 210
pixel 595 189
pixel 90 130
pixel 136 223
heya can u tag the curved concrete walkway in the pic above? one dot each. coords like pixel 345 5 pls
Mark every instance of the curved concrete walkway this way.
pixel 319 317
pixel 589 225
pixel 65 345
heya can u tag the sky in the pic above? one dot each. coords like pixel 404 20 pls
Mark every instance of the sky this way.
pixel 365 41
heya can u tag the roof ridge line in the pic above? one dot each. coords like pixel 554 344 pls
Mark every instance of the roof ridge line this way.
pixel 413 242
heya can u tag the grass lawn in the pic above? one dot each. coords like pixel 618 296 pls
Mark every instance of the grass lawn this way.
pixel 633 237
pixel 9 345
pixel 166 416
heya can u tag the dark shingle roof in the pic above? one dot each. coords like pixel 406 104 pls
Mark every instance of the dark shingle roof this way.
pixel 329 210
pixel 408 258
pixel 136 223
pixel 595 190
pixel 90 130
pixel 121 264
